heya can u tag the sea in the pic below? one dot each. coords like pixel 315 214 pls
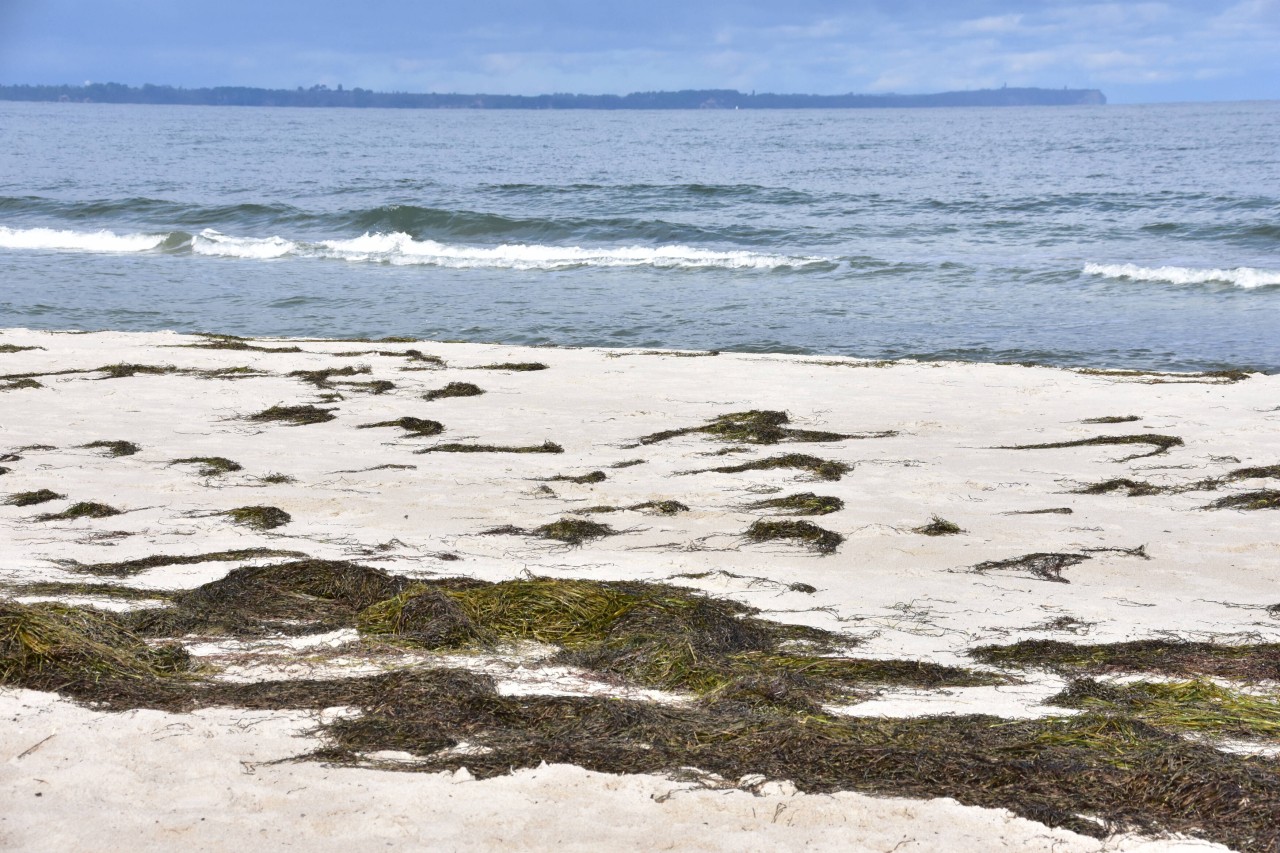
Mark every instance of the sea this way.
pixel 1143 237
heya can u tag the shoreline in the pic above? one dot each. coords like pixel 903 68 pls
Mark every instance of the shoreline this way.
pixel 1005 454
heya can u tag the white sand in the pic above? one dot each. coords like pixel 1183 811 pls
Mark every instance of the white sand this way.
pixel 111 781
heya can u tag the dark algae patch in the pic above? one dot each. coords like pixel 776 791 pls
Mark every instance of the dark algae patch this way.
pixel 1160 444
pixel 210 466
pixel 545 447
pixel 1197 707
pixel 802 503
pixel 1133 488
pixel 581 479
pixel 124 371
pixel 1261 499
pixel 938 526
pixel 83 509
pixel 515 366
pixel 8 349
pixel 1179 658
pixel 128 568
pixel 413 427
pixel 38 496
pixel 259 517
pixel 754 427
pixel 821 469
pixel 114 448
pixel 295 415
pixel 1112 419
pixel 454 389
pixel 573 531
pixel 801 532
pixel 19 384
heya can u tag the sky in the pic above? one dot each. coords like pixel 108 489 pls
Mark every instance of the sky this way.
pixel 1142 52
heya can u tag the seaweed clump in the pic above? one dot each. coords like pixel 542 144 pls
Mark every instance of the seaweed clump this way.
pixel 210 466
pixel 1134 488
pixel 938 526
pixel 758 426
pixel 114 448
pixel 1181 658
pixel 454 389
pixel 128 568
pixel 83 653
pixel 300 597
pixel 83 509
pixel 1260 499
pixel 1197 706
pixel 545 447
pixel 38 496
pixel 413 427
pixel 581 479
pixel 821 469
pixel 124 371
pixel 1112 419
pixel 811 535
pixel 1044 566
pixel 802 503
pixel 19 383
pixel 258 517
pixel 1160 444
pixel 295 415
pixel 514 366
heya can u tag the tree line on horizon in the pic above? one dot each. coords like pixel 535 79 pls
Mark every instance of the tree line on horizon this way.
pixel 687 99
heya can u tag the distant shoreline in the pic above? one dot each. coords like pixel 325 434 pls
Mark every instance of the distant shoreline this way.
pixel 687 99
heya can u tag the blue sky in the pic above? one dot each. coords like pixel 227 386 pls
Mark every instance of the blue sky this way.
pixel 1135 52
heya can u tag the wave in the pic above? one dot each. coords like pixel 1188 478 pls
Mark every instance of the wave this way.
pixel 50 239
pixel 1245 277
pixel 401 249
pixel 398 248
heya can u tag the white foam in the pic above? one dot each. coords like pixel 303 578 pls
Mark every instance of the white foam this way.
pixel 78 241
pixel 402 249
pixel 210 242
pixel 1246 277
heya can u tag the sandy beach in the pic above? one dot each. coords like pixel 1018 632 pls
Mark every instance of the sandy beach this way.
pixel 962 506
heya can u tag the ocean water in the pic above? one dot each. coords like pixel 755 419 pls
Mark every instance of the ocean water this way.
pixel 1118 236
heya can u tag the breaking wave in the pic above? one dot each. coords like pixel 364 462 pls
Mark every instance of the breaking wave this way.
pixel 49 239
pixel 403 250
pixel 1246 277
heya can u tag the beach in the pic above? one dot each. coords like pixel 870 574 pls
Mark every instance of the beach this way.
pixel 940 508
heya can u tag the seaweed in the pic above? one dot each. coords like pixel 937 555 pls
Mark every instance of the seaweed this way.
pixel 83 509
pixel 99 590
pixel 295 415
pixel 210 466
pixel 276 478
pixel 258 517
pixel 754 427
pixel 19 384
pixel 1134 488
pixel 667 507
pixel 545 447
pixel 82 653
pixel 128 568
pixel 454 389
pixel 1180 658
pixel 299 597
pixel 627 463
pixel 1197 706
pixel 821 469
pixel 114 448
pixel 811 535
pixel 573 531
pixel 9 349
pixel 322 378
pixel 124 371
pixel 582 479
pixel 38 496
pixel 516 366
pixel 1160 443
pixel 1155 377
pixel 938 526
pixel 1044 566
pixel 231 342
pixel 1112 419
pixel 801 503
pixel 1260 499
pixel 414 427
